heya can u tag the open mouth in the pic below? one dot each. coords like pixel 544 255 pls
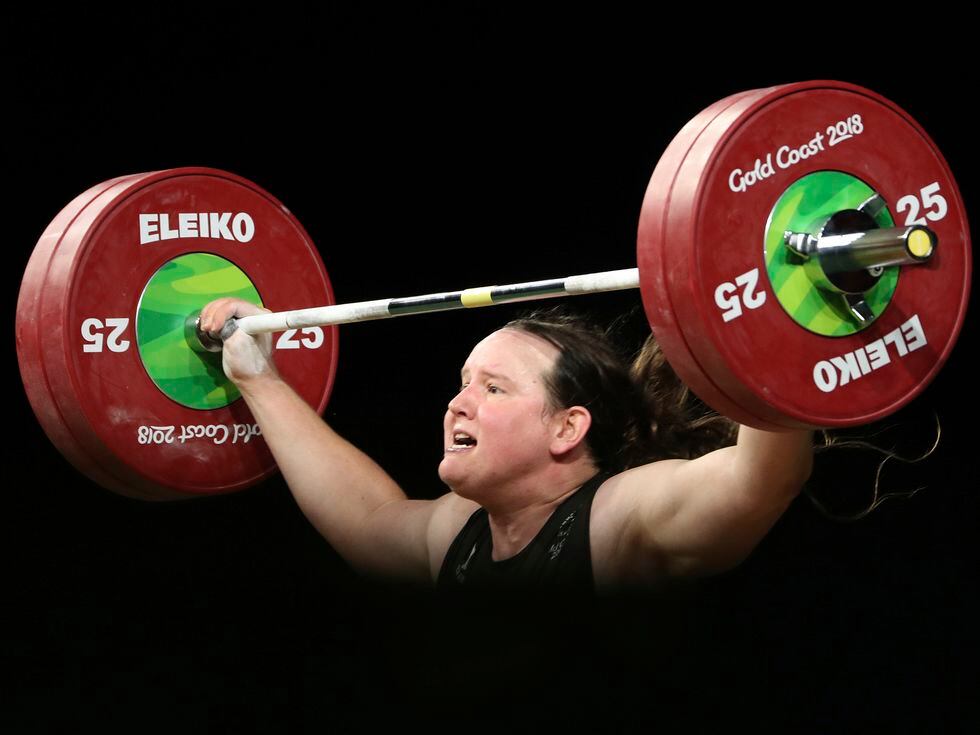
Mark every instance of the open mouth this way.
pixel 461 442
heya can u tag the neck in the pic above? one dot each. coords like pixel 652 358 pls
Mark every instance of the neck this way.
pixel 517 517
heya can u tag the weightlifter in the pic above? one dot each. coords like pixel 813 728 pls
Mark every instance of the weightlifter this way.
pixel 565 467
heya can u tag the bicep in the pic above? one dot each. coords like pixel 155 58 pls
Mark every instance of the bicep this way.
pixel 718 513
pixel 705 515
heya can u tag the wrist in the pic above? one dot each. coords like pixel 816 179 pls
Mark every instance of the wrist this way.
pixel 258 383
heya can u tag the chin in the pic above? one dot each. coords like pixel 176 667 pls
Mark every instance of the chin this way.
pixel 454 479
pixel 446 474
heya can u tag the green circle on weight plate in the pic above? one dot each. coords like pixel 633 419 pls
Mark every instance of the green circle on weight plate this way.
pixel 804 207
pixel 165 331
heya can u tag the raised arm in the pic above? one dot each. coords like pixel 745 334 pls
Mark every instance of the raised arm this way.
pixel 691 517
pixel 355 504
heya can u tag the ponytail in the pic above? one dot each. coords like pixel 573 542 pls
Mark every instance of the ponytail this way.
pixel 681 425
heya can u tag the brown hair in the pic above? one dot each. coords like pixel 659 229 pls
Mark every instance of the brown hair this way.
pixel 641 412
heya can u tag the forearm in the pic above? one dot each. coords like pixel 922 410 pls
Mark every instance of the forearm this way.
pixel 335 484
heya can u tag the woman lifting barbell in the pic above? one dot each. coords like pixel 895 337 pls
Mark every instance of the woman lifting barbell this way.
pixel 551 450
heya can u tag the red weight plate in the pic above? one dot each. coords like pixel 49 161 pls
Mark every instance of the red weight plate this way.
pixel 656 253
pixel 766 364
pixel 120 422
pixel 28 327
pixel 679 255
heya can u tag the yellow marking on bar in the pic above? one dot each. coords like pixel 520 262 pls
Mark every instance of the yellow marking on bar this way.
pixel 476 297
pixel 920 244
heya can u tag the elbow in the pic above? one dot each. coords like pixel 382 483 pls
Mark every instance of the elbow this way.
pixel 778 462
pixel 787 488
pixel 779 484
pixel 793 484
pixel 804 470
pixel 790 474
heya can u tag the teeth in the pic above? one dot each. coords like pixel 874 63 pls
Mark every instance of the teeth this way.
pixel 461 441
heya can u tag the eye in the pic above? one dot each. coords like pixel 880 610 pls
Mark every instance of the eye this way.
pixel 491 388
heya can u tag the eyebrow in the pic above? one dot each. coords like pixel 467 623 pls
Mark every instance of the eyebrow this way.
pixel 490 374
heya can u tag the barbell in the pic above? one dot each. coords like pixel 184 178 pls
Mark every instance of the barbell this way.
pixel 803 259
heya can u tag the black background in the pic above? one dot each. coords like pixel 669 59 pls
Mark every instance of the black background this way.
pixel 425 151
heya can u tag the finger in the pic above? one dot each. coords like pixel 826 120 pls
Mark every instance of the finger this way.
pixel 215 314
pixel 211 314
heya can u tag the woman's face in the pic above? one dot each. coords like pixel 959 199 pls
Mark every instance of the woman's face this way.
pixel 497 427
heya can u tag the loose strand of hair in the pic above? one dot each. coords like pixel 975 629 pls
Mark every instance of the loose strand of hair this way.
pixel 833 443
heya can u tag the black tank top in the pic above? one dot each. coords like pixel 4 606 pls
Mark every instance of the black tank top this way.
pixel 559 556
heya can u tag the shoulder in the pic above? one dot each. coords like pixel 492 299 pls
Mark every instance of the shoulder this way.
pixel 622 551
pixel 449 514
pixel 409 538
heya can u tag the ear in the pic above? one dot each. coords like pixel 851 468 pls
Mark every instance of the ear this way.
pixel 571 426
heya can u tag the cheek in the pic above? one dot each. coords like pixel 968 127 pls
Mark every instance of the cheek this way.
pixel 521 426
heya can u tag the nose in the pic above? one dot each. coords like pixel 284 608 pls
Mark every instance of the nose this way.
pixel 461 403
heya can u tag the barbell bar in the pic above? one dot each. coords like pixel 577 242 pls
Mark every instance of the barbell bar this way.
pixel 362 311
